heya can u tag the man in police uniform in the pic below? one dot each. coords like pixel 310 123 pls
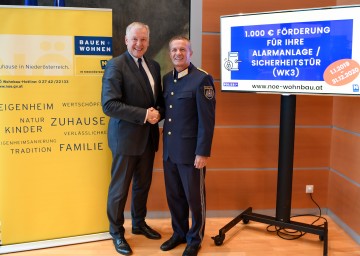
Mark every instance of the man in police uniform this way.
pixel 188 132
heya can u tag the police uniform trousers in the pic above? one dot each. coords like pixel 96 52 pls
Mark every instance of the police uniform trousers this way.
pixel 185 189
pixel 125 168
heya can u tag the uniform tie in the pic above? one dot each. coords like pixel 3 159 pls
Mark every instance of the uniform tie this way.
pixel 146 78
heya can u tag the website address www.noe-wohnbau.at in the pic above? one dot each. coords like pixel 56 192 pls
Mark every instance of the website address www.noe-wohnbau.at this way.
pixel 291 87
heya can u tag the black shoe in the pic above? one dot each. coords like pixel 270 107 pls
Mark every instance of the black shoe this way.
pixel 172 243
pixel 121 246
pixel 145 230
pixel 191 250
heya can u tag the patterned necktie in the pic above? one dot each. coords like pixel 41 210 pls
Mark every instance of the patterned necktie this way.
pixel 146 78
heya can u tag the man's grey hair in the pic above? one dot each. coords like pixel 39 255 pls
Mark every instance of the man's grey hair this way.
pixel 137 24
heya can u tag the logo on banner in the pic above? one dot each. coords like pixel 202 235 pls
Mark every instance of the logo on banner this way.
pixel 103 63
pixel 93 45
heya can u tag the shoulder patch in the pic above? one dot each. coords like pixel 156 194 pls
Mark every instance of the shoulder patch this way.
pixel 209 92
pixel 202 70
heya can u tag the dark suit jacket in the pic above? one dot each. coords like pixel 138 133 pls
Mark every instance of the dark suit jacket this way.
pixel 125 98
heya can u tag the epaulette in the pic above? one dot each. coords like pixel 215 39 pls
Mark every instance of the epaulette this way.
pixel 202 70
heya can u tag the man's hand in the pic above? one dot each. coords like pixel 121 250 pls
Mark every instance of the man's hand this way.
pixel 153 115
pixel 200 161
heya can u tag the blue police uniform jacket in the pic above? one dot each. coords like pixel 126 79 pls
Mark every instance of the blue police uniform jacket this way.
pixel 189 116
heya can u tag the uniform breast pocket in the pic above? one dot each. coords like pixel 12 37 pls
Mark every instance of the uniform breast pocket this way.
pixel 185 95
pixel 186 103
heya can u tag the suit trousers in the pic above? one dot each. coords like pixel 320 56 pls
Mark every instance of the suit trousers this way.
pixel 125 169
pixel 185 190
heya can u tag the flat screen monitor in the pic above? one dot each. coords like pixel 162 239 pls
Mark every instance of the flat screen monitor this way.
pixel 304 51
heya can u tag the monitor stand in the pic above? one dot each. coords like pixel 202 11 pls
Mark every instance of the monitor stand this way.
pixel 284 183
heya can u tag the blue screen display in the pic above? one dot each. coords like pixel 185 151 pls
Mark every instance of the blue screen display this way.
pixel 289 51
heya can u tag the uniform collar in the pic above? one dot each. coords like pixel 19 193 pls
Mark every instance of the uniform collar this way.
pixel 179 75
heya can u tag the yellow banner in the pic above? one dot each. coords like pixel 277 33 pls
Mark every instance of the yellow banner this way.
pixel 54 159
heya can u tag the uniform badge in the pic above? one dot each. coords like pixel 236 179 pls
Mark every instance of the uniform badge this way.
pixel 209 92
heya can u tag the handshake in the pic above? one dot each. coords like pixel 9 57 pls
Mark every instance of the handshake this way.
pixel 153 115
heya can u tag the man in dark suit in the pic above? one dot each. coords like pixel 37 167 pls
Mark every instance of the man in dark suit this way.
pixel 189 122
pixel 132 97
